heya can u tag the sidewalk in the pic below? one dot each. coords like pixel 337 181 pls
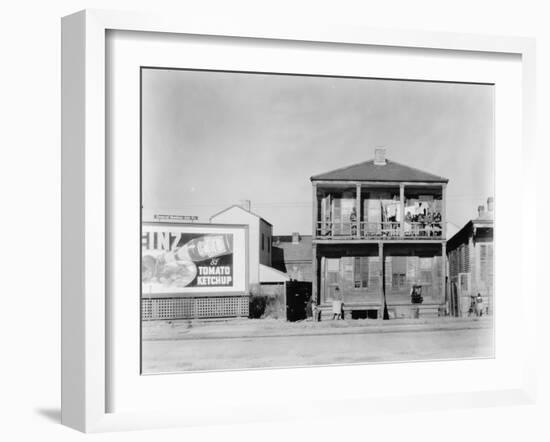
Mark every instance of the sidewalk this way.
pixel 263 328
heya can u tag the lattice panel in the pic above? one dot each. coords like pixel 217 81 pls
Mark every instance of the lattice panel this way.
pixel 194 308
pixel 146 310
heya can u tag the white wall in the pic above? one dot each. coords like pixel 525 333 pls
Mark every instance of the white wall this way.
pixel 30 222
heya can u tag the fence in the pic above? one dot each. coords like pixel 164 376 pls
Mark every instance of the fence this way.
pixel 194 308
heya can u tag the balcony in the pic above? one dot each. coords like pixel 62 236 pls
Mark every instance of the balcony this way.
pixel 378 231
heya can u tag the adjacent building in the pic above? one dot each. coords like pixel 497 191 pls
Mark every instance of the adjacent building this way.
pixel 470 256
pixel 292 255
pixel 379 231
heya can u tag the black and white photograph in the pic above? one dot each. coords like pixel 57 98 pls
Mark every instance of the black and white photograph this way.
pixel 300 220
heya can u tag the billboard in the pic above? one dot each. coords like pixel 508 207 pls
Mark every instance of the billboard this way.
pixel 179 258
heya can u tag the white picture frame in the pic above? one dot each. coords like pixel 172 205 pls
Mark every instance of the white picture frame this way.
pixel 86 204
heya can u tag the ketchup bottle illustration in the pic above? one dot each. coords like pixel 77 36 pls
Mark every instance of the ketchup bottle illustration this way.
pixel 205 247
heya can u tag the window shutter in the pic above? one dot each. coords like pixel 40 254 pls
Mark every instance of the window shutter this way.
pixel 373 269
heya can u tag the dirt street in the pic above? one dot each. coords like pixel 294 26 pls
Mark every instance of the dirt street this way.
pixel 355 346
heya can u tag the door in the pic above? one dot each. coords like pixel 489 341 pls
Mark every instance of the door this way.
pixel 298 300
pixel 341 215
pixel 332 278
pixel 373 216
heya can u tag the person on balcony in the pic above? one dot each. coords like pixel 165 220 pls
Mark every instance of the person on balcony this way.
pixel 327 231
pixel 408 225
pixel 429 225
pixel 437 224
pixel 353 221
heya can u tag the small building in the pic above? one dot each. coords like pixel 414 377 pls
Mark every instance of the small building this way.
pixel 379 232
pixel 292 255
pixel 470 256
pixel 260 233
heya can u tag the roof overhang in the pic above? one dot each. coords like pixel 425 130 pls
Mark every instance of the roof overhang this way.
pixel 269 274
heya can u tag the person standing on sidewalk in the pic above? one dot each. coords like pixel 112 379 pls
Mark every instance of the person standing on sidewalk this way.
pixel 314 311
pixel 337 304
pixel 479 305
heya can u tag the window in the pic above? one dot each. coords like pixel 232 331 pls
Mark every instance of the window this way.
pixel 397 265
pixel 361 272
pixel 398 280
pixel 486 264
pixel 263 240
pixel 464 259
pixel 269 244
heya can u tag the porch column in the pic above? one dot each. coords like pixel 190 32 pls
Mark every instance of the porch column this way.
pixel 382 282
pixel 444 211
pixel 315 215
pixel 321 296
pixel 444 271
pixel 358 208
pixel 402 202
pixel 315 275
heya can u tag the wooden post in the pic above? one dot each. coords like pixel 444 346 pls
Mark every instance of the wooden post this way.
pixel 402 202
pixel 315 275
pixel 444 211
pixel 321 289
pixel 358 208
pixel 382 282
pixel 315 216
pixel 443 269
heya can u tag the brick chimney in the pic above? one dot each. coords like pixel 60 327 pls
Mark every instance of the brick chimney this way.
pixel 380 156
pixel 295 238
pixel 245 204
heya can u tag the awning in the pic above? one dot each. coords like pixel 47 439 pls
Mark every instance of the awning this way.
pixel 269 274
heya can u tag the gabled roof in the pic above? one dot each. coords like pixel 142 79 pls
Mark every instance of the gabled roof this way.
pixel 241 208
pixel 368 171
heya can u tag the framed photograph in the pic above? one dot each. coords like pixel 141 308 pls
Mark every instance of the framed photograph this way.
pixel 259 221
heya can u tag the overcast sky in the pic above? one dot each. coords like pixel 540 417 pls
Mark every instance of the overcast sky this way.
pixel 211 139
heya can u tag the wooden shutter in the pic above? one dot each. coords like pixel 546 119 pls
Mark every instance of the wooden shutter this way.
pixel 373 271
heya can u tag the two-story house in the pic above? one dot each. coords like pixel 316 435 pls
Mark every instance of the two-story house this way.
pixel 470 256
pixel 378 233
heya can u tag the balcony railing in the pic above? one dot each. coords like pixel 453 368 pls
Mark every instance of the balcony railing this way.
pixel 378 230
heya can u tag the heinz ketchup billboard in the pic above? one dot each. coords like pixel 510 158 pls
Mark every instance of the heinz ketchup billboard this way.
pixel 183 258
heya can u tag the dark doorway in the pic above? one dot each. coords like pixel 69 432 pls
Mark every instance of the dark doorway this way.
pixel 359 314
pixel 364 314
pixel 298 300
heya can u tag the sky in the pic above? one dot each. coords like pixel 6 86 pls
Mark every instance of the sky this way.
pixel 212 139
